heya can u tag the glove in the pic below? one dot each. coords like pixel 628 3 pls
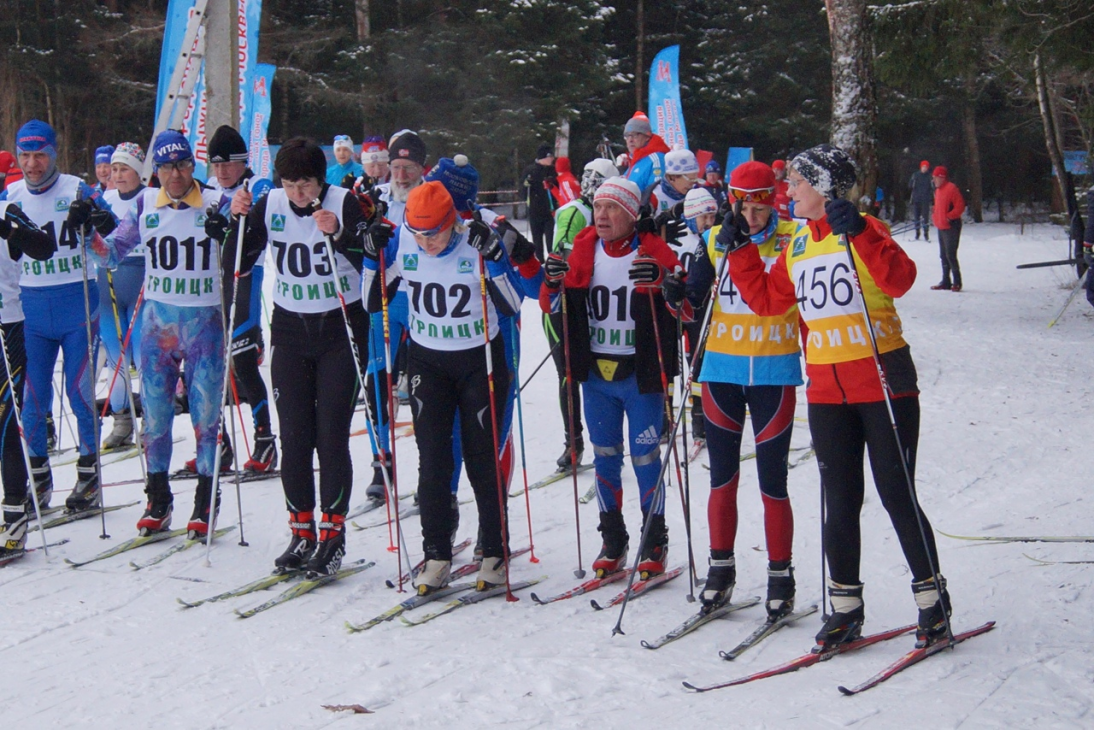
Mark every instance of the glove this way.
pixel 645 272
pixel 844 217
pixel 645 222
pixel 79 215
pixel 375 238
pixel 5 228
pixel 554 270
pixel 348 181
pixel 675 229
pixel 483 239
pixel 1088 252
pixel 734 233
pixel 674 288
pixel 520 248
pixel 216 226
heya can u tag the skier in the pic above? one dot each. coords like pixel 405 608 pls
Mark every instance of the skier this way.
pixel 375 159
pixel 103 156
pixel 922 194
pixel 758 371
pixel 55 306
pixel 612 284
pixel 715 183
pixel 645 153
pixel 119 291
pixel 847 408
pixel 949 205
pixel 344 164
pixel 539 180
pixel 441 261
pixel 312 365
pixel 566 187
pixel 681 175
pixel 228 157
pixel 182 321
pixel 782 197
pixel 20 237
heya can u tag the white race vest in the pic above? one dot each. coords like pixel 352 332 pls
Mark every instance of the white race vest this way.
pixel 299 250
pixel 181 263
pixel 611 325
pixel 121 209
pixel 11 306
pixel 49 211
pixel 445 295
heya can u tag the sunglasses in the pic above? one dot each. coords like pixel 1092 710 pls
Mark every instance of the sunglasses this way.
pixel 749 196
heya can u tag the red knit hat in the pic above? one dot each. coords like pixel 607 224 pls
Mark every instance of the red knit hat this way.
pixel 940 172
pixel 753 182
pixel 429 209
pixel 778 165
pixel 924 163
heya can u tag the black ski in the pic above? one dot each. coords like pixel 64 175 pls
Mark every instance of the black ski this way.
pixel 696 621
pixel 764 631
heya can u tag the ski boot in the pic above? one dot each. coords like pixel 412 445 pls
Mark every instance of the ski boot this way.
pixel 377 490
pixel 613 554
pixel 934 609
pixel 13 535
pixel 263 456
pixel 492 573
pixel 157 512
pixel 848 615
pixel 201 521
pixel 301 545
pixel 331 548
pixel 432 577
pixel 226 457
pixel 87 493
pixel 721 578
pixel 42 478
pixel 564 462
pixel 780 590
pixel 655 553
pixel 121 434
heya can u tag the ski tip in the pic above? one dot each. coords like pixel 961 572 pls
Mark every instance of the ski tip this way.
pixel 692 687
pixel 536 600
pixel 388 583
pixel 845 691
pixel 596 606
pixel 185 604
pixel 727 656
pixel 350 628
pixel 647 644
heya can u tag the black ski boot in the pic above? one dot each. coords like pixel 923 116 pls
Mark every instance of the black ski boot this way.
pixel 13 534
pixel 331 548
pixel 780 590
pixel 613 553
pixel 87 493
pixel 934 609
pixel 264 456
pixel 301 545
pixel 377 491
pixel 564 462
pixel 721 578
pixel 655 553
pixel 848 615
pixel 42 478
pixel 160 506
pixel 201 520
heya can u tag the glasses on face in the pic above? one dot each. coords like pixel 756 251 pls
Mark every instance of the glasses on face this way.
pixel 792 184
pixel 407 167
pixel 181 166
pixel 749 196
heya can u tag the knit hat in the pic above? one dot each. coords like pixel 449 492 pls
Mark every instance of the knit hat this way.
pixel 170 146
pixel 343 140
pixel 778 165
pixel 429 209
pixel 681 162
pixel 621 191
pixel 7 162
pixel 408 146
pixel 639 124
pixel 753 182
pixel 713 166
pixel 697 202
pixel 924 163
pixel 459 178
pixel 129 153
pixel 544 151
pixel 227 145
pixel 940 171
pixel 103 154
pixel 828 169
pixel 373 149
pixel 36 136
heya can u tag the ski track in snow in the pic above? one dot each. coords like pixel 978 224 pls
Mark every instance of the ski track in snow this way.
pixel 1005 429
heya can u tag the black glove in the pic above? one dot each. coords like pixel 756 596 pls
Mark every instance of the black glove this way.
pixel 483 239
pixel 374 238
pixel 216 226
pixel 646 272
pixel 645 222
pixel 79 215
pixel 734 233
pixel 724 211
pixel 554 270
pixel 5 228
pixel 844 217
pixel 674 288
pixel 675 229
pixel 348 181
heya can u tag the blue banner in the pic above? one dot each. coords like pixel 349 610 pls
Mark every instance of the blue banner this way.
pixel 737 156
pixel 178 15
pixel 666 114
pixel 260 106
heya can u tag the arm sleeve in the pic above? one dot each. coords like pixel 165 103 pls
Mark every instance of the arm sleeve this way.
pixel 892 269
pixel 371 282
pixel 348 242
pixel 115 247
pixel 767 293
pixel 255 237
pixel 957 204
pixel 502 286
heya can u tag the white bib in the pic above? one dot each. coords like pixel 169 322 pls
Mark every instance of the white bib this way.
pixel 299 251
pixel 49 211
pixel 181 263
pixel 611 324
pixel 11 306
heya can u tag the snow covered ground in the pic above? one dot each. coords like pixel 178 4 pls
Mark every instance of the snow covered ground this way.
pixel 1004 450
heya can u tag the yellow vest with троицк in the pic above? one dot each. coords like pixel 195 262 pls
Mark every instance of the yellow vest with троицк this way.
pixel 821 274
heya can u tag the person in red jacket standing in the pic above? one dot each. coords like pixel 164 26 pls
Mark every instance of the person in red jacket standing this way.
pixel 948 207
pixel 782 198
pixel 567 188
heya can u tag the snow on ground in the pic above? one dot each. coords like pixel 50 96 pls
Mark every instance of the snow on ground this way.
pixel 1005 429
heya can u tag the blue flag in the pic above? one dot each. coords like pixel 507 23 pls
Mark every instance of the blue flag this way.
pixel 666 114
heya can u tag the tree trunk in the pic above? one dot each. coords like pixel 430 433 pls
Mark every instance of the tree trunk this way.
pixel 364 29
pixel 562 138
pixel 640 58
pixel 1052 138
pixel 972 153
pixel 854 111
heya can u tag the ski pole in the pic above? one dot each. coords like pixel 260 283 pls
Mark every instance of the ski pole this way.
pixel 121 360
pixel 539 367
pixel 22 435
pixel 580 572
pixel 896 433
pixel 520 424
pixel 235 452
pixel 685 395
pixel 96 425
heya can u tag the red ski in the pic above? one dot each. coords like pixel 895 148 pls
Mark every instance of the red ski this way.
pixel 914 657
pixel 640 587
pixel 586 587
pixel 808 660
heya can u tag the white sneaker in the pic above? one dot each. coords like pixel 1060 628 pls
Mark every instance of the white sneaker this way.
pixel 433 577
pixel 492 574
pixel 122 433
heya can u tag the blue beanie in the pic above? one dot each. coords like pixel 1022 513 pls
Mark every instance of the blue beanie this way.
pixel 713 166
pixel 103 154
pixel 459 178
pixel 170 146
pixel 36 136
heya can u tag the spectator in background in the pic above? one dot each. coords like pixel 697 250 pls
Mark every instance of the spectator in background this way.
pixel 345 164
pixel 375 158
pixel 9 169
pixel 1088 245
pixel 645 152
pixel 567 188
pixel 949 204
pixel 922 193
pixel 715 183
pixel 102 168
pixel 538 178
pixel 782 198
